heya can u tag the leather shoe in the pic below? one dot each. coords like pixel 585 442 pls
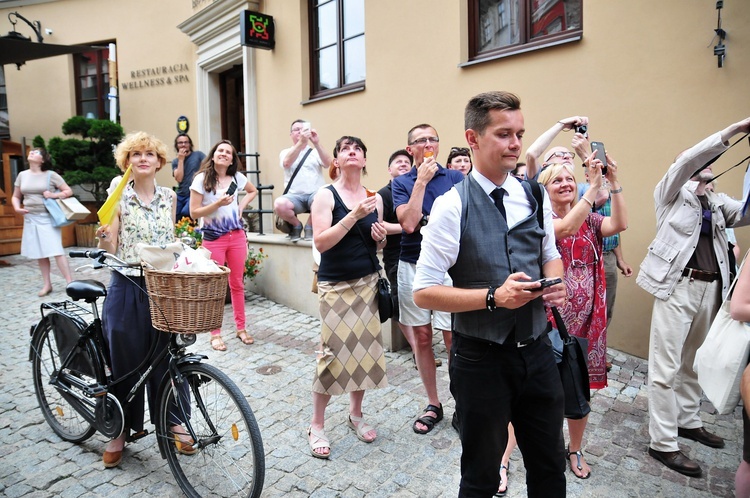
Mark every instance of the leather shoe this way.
pixel 676 461
pixel 701 435
pixel 112 459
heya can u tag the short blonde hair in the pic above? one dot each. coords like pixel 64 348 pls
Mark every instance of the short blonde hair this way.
pixel 552 171
pixel 139 140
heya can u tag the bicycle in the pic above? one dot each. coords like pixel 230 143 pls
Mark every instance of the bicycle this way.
pixel 71 375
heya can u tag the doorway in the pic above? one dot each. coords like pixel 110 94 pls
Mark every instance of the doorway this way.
pixel 232 95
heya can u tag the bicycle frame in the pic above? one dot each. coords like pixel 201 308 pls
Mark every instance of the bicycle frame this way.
pixel 91 340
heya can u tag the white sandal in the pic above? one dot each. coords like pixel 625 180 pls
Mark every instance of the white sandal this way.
pixel 360 428
pixel 318 440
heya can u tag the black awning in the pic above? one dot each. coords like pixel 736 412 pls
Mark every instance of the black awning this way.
pixel 17 50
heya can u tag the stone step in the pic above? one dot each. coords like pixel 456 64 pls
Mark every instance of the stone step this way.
pixel 10 220
pixel 11 232
pixel 11 246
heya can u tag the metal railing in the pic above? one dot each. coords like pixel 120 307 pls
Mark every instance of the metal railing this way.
pixel 260 211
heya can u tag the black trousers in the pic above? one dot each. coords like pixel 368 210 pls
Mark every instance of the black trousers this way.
pixel 495 384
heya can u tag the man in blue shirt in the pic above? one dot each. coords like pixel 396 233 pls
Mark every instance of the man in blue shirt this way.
pixel 413 196
pixel 184 167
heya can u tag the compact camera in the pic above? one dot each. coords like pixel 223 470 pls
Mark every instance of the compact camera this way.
pixel 582 129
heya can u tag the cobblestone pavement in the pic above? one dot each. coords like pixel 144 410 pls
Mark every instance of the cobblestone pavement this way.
pixel 34 462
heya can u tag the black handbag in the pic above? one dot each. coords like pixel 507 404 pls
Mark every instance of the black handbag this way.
pixel 279 223
pixel 574 372
pixel 385 300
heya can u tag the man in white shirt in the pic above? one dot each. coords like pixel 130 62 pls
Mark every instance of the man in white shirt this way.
pixel 485 232
pixel 307 155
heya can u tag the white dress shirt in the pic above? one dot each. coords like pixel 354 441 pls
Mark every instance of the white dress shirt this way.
pixel 441 236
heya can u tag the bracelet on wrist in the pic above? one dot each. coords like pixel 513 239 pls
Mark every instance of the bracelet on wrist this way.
pixel 382 241
pixel 344 226
pixel 615 191
pixel 490 300
pixel 590 203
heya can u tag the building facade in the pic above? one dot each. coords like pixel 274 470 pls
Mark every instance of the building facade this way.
pixel 644 72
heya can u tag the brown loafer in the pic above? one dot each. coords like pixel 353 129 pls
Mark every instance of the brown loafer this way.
pixel 701 435
pixel 678 462
pixel 111 459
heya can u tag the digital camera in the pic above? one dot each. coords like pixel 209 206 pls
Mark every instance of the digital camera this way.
pixel 582 129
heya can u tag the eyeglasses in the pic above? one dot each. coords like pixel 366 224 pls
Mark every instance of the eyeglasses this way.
pixel 425 140
pixel 583 252
pixel 563 155
pixel 460 150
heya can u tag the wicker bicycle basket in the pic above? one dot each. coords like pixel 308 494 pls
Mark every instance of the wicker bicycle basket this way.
pixel 186 303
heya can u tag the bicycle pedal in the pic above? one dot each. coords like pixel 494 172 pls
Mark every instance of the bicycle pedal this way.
pixel 95 390
pixel 137 435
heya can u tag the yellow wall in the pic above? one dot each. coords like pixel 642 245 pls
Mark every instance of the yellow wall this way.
pixel 41 95
pixel 644 73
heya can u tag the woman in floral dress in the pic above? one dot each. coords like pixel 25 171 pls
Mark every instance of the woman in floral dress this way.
pixel 579 234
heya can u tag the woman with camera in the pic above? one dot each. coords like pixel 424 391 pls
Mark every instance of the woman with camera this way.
pixel 579 233
pixel 213 199
pixel 348 228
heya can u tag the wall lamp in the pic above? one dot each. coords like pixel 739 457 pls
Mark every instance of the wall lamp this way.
pixel 13 17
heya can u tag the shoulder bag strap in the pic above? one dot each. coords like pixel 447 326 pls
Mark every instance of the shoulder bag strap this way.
pixel 299 166
pixel 560 323
pixel 359 230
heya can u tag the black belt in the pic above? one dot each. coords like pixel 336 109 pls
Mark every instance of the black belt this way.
pixel 509 341
pixel 706 276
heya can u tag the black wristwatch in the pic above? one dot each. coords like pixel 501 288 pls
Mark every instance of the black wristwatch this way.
pixel 423 221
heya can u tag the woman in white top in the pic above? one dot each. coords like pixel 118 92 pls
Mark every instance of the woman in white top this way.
pixel 40 238
pixel 222 229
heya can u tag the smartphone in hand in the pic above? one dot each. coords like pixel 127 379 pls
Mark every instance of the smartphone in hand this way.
pixel 598 147
pixel 546 282
pixel 232 188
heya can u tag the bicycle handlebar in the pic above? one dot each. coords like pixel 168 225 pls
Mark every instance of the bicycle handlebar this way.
pixel 100 255
pixel 95 254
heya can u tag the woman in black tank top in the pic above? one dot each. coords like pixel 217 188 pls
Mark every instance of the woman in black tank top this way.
pixel 347 230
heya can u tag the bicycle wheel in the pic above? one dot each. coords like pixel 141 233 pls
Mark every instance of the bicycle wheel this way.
pixel 59 409
pixel 228 459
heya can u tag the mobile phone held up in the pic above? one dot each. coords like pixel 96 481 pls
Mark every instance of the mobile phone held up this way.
pixel 306 126
pixel 598 147
pixel 232 188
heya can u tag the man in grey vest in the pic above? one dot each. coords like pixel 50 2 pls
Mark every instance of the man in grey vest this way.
pixel 486 234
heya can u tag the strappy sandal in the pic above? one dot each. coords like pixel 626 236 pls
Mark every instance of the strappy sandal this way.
pixel 217 343
pixel 318 440
pixel 507 472
pixel 360 428
pixel 429 420
pixel 578 454
pixel 245 337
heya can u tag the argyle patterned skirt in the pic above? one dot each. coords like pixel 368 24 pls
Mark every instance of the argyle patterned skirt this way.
pixel 351 355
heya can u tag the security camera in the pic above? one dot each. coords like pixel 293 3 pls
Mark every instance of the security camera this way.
pixel 48 31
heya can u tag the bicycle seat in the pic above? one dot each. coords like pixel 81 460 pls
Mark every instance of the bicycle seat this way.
pixel 88 290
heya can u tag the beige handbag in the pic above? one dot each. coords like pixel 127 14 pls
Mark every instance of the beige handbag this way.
pixel 73 209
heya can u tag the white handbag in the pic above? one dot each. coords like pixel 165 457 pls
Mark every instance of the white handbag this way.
pixel 722 358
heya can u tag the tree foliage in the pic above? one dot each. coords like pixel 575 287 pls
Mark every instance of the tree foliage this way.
pixel 87 161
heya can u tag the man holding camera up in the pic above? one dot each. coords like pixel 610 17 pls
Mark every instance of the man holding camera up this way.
pixel 310 158
pixel 686 270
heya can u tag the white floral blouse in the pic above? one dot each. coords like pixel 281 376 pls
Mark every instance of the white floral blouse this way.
pixel 150 224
